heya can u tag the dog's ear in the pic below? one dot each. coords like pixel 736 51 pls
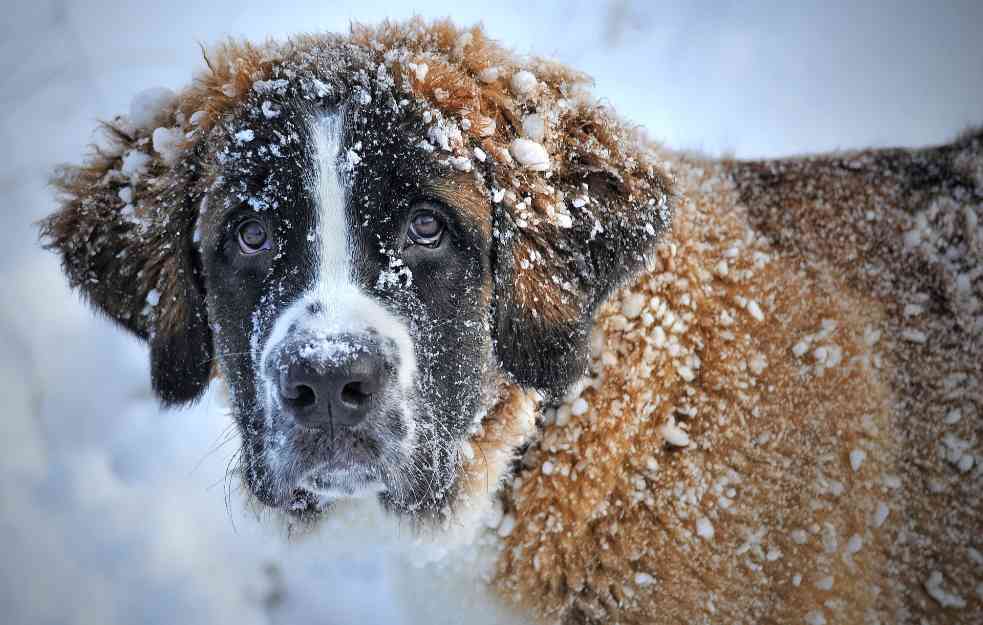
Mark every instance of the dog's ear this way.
pixel 124 231
pixel 565 241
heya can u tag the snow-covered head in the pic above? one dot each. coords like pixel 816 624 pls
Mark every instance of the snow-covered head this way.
pixel 377 241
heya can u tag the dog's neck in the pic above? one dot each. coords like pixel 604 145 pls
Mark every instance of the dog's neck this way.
pixel 488 455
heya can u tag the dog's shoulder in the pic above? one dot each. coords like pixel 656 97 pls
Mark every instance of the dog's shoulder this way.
pixel 756 431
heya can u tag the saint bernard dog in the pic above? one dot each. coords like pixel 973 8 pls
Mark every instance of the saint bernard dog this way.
pixel 445 279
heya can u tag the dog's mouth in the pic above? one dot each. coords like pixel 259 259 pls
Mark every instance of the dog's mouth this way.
pixel 349 468
pixel 324 485
pixel 305 471
pixel 320 487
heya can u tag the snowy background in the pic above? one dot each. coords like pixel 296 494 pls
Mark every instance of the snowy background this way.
pixel 113 512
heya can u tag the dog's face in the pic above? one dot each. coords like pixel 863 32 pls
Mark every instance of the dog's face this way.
pixel 369 256
pixel 348 281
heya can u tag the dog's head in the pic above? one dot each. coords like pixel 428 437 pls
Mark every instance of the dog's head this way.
pixel 369 238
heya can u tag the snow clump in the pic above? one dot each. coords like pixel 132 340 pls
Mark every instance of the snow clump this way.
pixel 167 143
pixel 148 106
pixel 530 155
pixel 523 82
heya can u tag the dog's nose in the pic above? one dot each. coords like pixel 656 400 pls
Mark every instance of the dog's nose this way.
pixel 333 384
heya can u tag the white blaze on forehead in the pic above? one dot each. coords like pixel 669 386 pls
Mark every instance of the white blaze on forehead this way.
pixel 331 188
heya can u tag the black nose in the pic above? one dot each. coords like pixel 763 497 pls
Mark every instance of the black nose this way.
pixel 331 383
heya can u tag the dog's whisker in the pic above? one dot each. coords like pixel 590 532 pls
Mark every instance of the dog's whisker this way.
pixel 227 435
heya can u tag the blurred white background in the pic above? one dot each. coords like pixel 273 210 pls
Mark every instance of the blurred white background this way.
pixel 113 512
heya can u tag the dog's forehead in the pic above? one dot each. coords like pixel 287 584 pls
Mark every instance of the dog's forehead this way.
pixel 384 153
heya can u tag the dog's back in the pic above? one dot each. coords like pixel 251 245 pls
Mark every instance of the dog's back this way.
pixel 784 414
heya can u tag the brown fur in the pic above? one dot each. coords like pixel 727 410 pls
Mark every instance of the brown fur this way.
pixel 816 239
pixel 461 193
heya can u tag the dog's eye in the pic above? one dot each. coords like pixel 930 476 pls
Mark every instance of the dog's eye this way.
pixel 252 237
pixel 426 228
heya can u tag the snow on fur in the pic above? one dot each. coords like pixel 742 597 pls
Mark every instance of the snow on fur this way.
pixel 444 70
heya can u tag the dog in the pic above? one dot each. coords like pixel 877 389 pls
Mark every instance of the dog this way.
pixel 440 277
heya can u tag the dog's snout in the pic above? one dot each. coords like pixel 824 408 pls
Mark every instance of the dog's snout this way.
pixel 331 384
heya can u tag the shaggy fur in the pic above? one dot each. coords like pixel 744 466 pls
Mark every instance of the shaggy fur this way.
pixel 777 420
pixel 810 341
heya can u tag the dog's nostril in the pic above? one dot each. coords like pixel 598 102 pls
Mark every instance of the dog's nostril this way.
pixel 300 396
pixel 355 394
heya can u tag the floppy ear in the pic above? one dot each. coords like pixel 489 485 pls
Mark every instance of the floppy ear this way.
pixel 566 241
pixel 125 235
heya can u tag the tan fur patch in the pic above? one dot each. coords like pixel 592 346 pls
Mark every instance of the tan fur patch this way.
pixel 461 192
pixel 509 424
